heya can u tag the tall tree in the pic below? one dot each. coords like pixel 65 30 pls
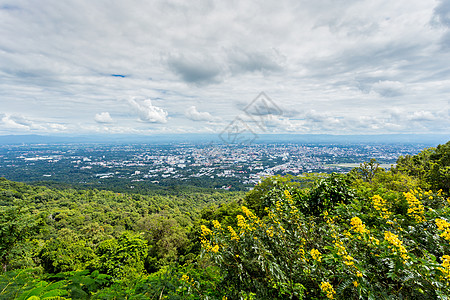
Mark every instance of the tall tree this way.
pixel 17 223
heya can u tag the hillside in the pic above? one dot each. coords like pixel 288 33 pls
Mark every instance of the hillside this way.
pixel 366 234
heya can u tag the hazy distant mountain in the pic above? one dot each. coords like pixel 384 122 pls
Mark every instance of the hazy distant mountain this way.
pixel 432 139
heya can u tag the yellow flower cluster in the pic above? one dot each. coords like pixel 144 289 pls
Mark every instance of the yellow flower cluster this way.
pixel 205 243
pixel 301 252
pixel 445 227
pixel 234 236
pixel 316 255
pixel 446 266
pixel 269 231
pixel 374 240
pixel 185 278
pixel 248 213
pixel 215 249
pixel 416 208
pixel 216 224
pixel 397 245
pixel 287 194
pixel 381 205
pixel 288 197
pixel 358 226
pixel 327 288
pixel 242 223
pixel 348 260
pixel 278 205
pixel 205 230
pixel 341 248
pixel 254 220
pixel 188 280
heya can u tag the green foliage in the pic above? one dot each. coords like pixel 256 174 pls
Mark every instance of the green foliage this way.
pixel 439 173
pixel 165 238
pixel 29 283
pixel 431 167
pixel 345 253
pixel 17 223
pixel 368 234
pixel 44 290
pixel 122 258
pixel 265 193
pixel 367 170
pixel 325 194
pixel 66 253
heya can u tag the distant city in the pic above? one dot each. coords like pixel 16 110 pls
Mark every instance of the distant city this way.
pixel 229 167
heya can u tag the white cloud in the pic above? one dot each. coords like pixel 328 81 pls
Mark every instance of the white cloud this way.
pixel 12 123
pixel 147 112
pixel 103 117
pixel 20 123
pixel 335 60
pixel 193 114
pixel 422 116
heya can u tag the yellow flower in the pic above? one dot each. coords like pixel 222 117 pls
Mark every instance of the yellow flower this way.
pixel 205 230
pixel 381 205
pixel 185 278
pixel 374 240
pixel 397 245
pixel 216 224
pixel 416 208
pixel 215 249
pixel 355 283
pixel 288 197
pixel 358 226
pixel 348 260
pixel 269 231
pixel 278 205
pixel 241 221
pixel 316 255
pixel 445 227
pixel 233 234
pixel 301 251
pixel 247 212
pixel 287 194
pixel 445 266
pixel 341 248
pixel 327 288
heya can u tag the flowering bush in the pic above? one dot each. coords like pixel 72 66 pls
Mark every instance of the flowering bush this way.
pixel 364 248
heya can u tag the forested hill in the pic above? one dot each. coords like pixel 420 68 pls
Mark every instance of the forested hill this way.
pixel 366 234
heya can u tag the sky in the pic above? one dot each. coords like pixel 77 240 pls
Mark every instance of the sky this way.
pixel 173 67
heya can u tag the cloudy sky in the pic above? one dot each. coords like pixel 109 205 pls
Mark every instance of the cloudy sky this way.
pixel 176 66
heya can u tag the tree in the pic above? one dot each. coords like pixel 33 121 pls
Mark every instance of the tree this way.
pixel 122 257
pixel 431 166
pixel 367 170
pixel 165 239
pixel 16 225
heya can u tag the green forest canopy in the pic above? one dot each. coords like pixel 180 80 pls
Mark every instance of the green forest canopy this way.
pixel 369 233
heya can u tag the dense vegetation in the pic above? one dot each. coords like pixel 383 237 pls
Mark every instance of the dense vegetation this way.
pixel 366 234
